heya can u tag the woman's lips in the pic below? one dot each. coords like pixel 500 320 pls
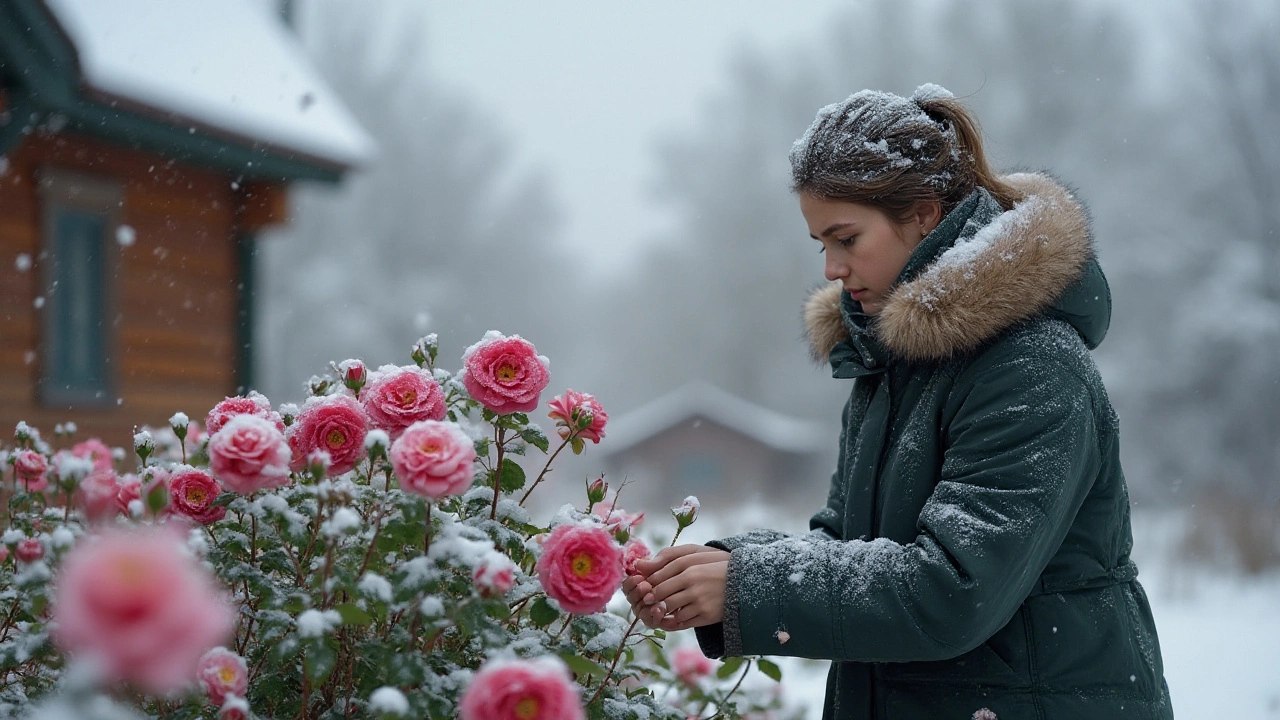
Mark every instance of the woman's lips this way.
pixel 857 294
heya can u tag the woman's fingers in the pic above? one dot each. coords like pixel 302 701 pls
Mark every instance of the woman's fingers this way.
pixel 666 555
pixel 678 565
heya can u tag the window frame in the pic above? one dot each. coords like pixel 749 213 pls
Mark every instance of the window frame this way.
pixel 60 191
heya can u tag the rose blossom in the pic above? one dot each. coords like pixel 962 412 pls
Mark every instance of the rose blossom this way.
pixel 192 494
pixel 690 664
pixel 494 576
pixel 234 708
pixel 580 567
pixel 135 602
pixel 29 550
pixel 571 409
pixel 615 518
pixel 335 424
pixel 97 494
pixel 4 553
pixel 222 673
pixel 95 450
pixel 249 454
pixel 254 403
pixel 504 374
pixel 30 467
pixel 434 459
pixel 539 689
pixel 633 552
pixel 397 397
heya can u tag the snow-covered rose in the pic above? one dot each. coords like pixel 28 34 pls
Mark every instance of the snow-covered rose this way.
pixel 254 403
pixel 633 552
pixel 249 454
pixel 192 494
pixel 222 673
pixel 494 576
pixel 29 550
pixel 539 689
pixel 580 567
pixel 580 412
pixel 333 424
pixel 398 397
pixel 95 450
pixel 504 374
pixel 434 459
pixel 31 467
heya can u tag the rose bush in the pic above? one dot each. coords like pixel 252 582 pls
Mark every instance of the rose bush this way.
pixel 368 554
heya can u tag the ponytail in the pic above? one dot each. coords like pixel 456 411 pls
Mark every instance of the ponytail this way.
pixel 947 111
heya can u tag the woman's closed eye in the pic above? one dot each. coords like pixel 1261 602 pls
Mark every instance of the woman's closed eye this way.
pixel 844 242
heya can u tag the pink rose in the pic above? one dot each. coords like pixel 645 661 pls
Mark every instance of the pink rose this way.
pixel 249 454
pixel 434 459
pixel 192 494
pixel 504 374
pixel 4 553
pixel 254 403
pixel 494 576
pixel 30 467
pixel 95 450
pixel 127 490
pixel 222 673
pixel 690 664
pixel 29 550
pixel 399 397
pixel 136 603
pixel 97 494
pixel 580 568
pixel 574 410
pixel 334 424
pixel 633 552
pixel 539 689
pixel 234 708
pixel 617 519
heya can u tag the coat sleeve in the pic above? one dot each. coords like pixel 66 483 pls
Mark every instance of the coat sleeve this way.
pixel 1021 454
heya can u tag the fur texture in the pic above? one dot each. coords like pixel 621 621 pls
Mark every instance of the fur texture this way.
pixel 1039 248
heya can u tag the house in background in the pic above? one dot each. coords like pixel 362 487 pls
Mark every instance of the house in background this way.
pixel 142 146
pixel 700 440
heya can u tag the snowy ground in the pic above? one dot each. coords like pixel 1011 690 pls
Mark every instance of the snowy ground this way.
pixel 1219 632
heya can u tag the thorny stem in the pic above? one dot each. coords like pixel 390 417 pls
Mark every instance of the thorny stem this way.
pixel 547 468
pixel 732 690
pixel 500 438
pixel 621 646
pixel 4 634
pixel 377 530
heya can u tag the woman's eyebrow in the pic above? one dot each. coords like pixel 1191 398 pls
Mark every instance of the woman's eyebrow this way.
pixel 832 229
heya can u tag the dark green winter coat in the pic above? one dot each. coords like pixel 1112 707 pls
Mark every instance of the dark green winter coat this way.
pixel 974 550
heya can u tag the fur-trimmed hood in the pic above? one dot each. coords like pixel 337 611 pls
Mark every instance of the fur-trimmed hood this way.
pixel 1021 264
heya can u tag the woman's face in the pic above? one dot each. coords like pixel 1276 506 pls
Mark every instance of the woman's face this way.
pixel 865 250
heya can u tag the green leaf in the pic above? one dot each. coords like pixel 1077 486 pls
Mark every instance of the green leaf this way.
pixel 482 447
pixel 157 498
pixel 512 476
pixel 770 669
pixel 488 415
pixel 729 667
pixel 533 435
pixel 541 613
pixel 583 667
pixel 353 615
pixel 319 662
pixel 578 445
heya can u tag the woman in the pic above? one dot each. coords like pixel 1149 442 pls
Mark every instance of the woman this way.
pixel 974 549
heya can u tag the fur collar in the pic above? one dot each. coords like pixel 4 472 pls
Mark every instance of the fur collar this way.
pixel 1023 262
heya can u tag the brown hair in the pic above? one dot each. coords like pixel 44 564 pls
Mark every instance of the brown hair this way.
pixel 891 152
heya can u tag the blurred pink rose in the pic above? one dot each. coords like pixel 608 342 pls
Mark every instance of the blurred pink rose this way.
pixel 249 454
pixel 30 467
pixel 192 494
pixel 504 374
pixel 136 603
pixel 4 553
pixel 95 450
pixel 691 665
pixel 222 673
pixel 29 550
pixel 539 689
pixel 615 518
pixel 495 576
pixel 254 403
pixel 434 459
pixel 633 552
pixel 127 490
pixel 234 708
pixel 572 409
pixel 580 568
pixel 97 494
pixel 335 424
pixel 398 397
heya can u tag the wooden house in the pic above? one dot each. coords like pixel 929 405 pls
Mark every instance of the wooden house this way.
pixel 142 147
pixel 700 440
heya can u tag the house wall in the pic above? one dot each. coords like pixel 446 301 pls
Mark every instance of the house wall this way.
pixel 665 468
pixel 173 292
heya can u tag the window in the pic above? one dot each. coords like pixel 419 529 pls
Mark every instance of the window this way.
pixel 77 346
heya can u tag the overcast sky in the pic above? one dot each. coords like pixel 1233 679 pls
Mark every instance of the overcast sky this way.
pixel 584 89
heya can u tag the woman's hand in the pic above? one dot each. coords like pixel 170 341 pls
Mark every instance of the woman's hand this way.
pixel 689 578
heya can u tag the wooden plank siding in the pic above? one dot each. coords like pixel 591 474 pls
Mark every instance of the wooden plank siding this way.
pixel 174 292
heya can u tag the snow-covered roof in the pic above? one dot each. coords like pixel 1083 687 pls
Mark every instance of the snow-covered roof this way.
pixel 226 65
pixel 702 400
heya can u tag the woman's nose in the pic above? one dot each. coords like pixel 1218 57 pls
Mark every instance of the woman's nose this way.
pixel 834 268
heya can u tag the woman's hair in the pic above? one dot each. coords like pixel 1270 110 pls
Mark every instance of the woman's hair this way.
pixel 891 152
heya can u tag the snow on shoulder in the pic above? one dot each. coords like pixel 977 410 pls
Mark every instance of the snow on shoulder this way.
pixel 227 65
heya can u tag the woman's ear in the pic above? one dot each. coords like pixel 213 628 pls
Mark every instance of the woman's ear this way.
pixel 927 215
